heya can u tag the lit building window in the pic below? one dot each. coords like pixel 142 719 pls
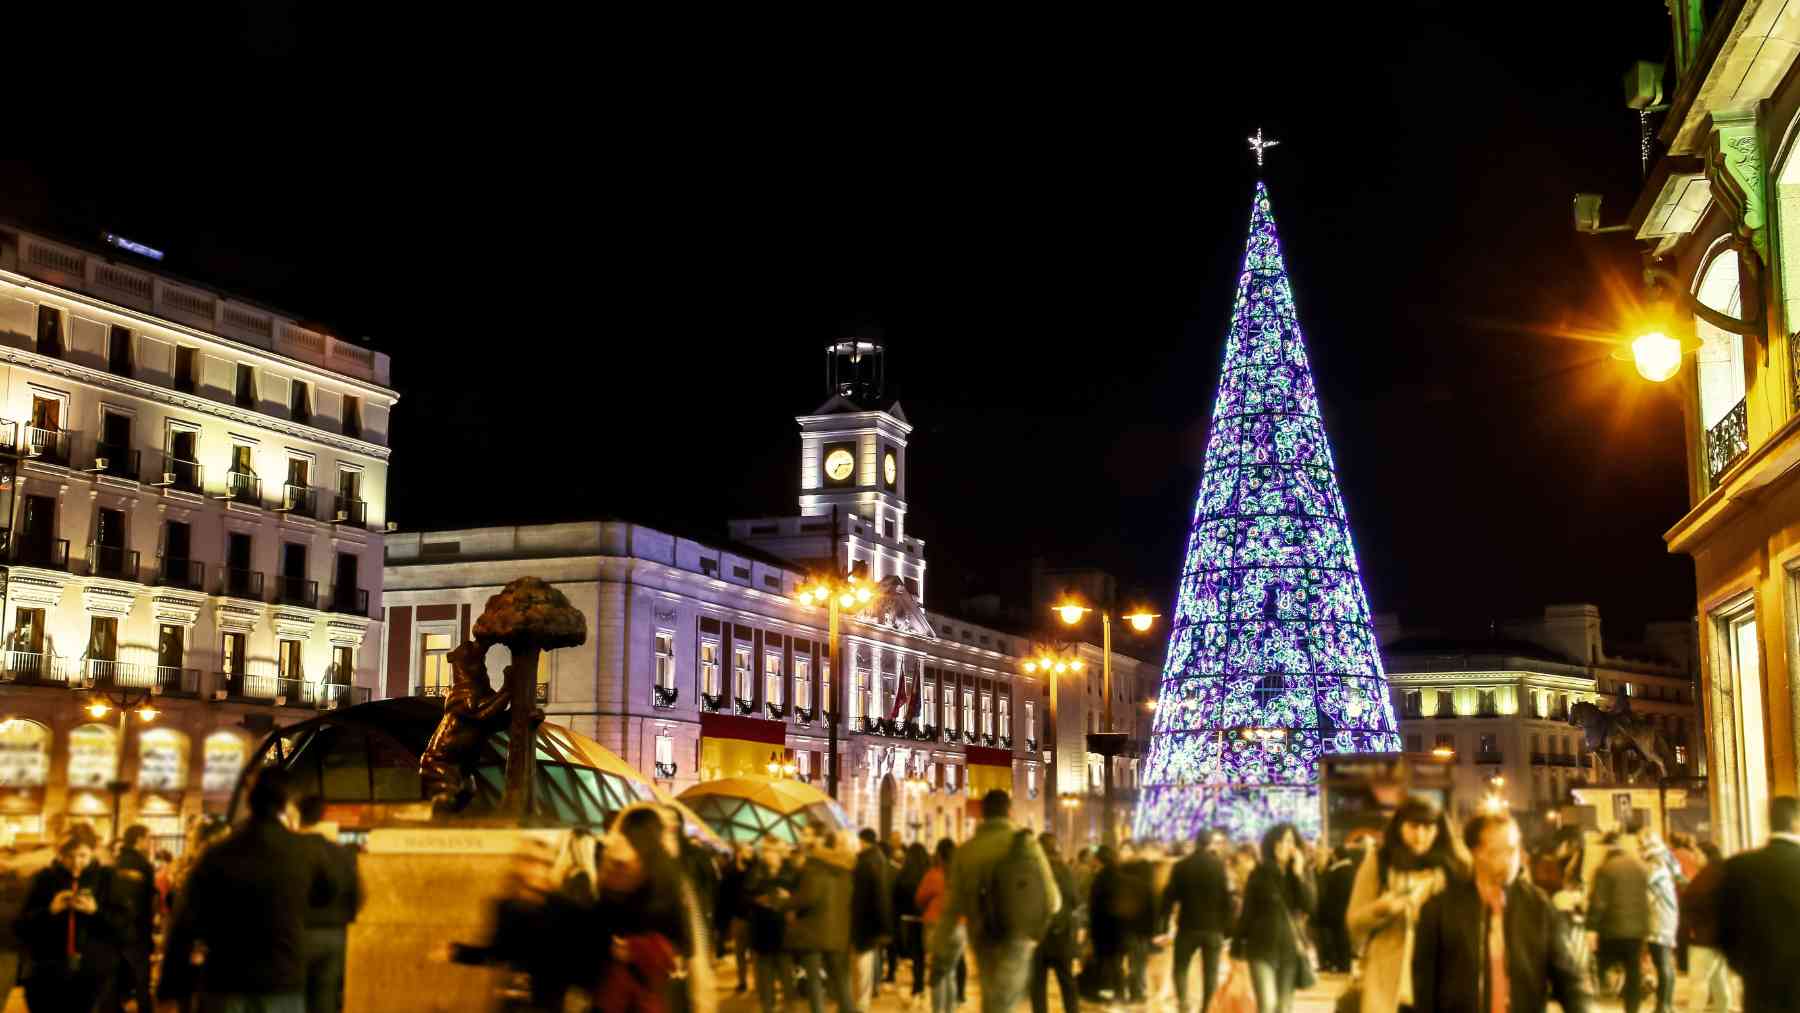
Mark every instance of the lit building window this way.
pixel 772 677
pixel 1681 755
pixel 1005 716
pixel 709 667
pixel 826 703
pixel 987 714
pixel 949 710
pixel 665 659
pixel 665 748
pixel 1031 720
pixel 803 683
pixel 740 663
pixel 969 709
pixel 859 692
pixel 928 702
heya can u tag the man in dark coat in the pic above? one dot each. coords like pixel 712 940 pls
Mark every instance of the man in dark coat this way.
pixel 1455 950
pixel 328 924
pixel 69 928
pixel 871 914
pixel 1759 903
pixel 764 889
pixel 134 890
pixel 1619 913
pixel 1201 894
pixel 1055 955
pixel 246 901
pixel 818 926
pixel 1335 885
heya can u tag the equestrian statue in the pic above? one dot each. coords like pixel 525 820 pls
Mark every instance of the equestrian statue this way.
pixel 1609 736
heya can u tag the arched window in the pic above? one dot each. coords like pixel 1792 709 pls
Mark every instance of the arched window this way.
pixel 226 753
pixel 1720 365
pixel 24 754
pixel 162 760
pixel 93 756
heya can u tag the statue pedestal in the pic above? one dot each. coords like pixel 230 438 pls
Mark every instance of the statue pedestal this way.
pixel 1616 805
pixel 425 887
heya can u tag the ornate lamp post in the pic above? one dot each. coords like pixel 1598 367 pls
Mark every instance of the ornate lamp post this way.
pixel 1107 743
pixel 1053 662
pixel 124 701
pixel 835 593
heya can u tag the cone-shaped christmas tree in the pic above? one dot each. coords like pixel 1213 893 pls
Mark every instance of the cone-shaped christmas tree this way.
pixel 1272 659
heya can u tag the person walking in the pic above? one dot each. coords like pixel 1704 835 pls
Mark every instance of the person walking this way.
pixel 1134 907
pixel 245 902
pixel 818 928
pixel 1665 914
pixel 1278 894
pixel 536 932
pixel 871 915
pixel 134 888
pixel 999 881
pixel 1710 976
pixel 1758 902
pixel 1335 884
pixel 1418 856
pixel 1105 974
pixel 70 945
pixel 1619 915
pixel 1199 898
pixel 764 892
pixel 732 915
pixel 650 908
pixel 1056 954
pixel 909 933
pixel 1488 944
pixel 328 924
pixel 932 892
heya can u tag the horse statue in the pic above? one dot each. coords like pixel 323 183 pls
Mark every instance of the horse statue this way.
pixel 1616 732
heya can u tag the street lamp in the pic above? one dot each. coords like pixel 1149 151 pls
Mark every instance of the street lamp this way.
pixel 125 702
pixel 1070 802
pixel 780 766
pixel 836 593
pixel 1109 742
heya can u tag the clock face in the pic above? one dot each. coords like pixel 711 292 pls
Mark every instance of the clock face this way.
pixel 838 464
pixel 890 469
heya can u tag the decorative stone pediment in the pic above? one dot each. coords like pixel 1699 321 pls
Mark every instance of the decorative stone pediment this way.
pixel 894 607
pixel 31 587
pixel 103 597
pixel 346 631
pixel 238 615
pixel 176 607
pixel 293 623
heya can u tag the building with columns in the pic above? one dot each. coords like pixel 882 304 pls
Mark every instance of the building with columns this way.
pixel 193 486
pixel 703 661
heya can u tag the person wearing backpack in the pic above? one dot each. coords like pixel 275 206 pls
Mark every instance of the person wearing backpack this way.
pixel 1002 884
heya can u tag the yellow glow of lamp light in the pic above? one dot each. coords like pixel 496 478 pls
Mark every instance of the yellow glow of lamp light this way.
pixel 1061 668
pixel 1656 355
pixel 1030 667
pixel 1443 752
pixel 1071 613
pixel 1077 664
pixel 97 709
pixel 846 599
pixel 148 713
pixel 1140 621
pixel 862 594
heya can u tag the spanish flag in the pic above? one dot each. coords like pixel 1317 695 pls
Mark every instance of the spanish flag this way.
pixel 733 746
pixel 989 770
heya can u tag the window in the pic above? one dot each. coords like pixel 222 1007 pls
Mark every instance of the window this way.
pixel 28 630
pixel 1446 703
pixel 170 645
pixel 1445 742
pixel 804 761
pixel 827 703
pixel 1031 720
pixel 987 714
pixel 1487 745
pixel 1681 755
pixel 665 659
pixel 928 702
pixel 1742 749
pixel 1031 782
pixel 435 676
pixel 288 655
pixel 709 668
pixel 103 639
pixel 343 665
pixel 1005 717
pixel 741 678
pixel 859 692
pixel 118 351
pixel 1719 362
pixel 299 402
pixel 49 331
pixel 803 697
pixel 772 677
pixel 352 415
pixel 949 709
pixel 187 372
pixel 245 395
pixel 1409 703
pixel 969 710
pixel 665 748
pixel 1534 744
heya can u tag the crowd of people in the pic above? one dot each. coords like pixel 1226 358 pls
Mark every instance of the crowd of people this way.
pixel 1420 916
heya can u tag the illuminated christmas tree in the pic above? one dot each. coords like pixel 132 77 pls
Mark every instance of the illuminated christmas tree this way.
pixel 1272 659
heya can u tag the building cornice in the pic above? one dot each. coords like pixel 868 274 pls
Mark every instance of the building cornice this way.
pixel 191 402
pixel 1532 680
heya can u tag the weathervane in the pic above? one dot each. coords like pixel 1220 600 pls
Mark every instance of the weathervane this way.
pixel 1258 145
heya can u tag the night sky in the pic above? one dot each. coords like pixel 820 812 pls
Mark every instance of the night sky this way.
pixel 606 258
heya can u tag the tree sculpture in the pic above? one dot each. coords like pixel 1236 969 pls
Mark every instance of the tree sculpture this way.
pixel 528 616
pixel 1611 736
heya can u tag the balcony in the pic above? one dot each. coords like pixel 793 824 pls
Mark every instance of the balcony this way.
pixel 775 711
pixel 299 500
pixel 666 696
pixel 243 487
pixel 9 437
pixel 432 691
pixel 116 461
pixel 174 681
pixel 33 666
pixel 1539 759
pixel 273 689
pixel 297 591
pixel 186 573
pixel 329 695
pixel 47 444
pixel 241 584
pixel 350 511
pixel 49 553
pixel 1031 745
pixel 1726 441
pixel 180 473
pixel 349 601
pixel 1562 761
pixel 1490 757
pixel 665 771
pixel 711 702
pixel 112 561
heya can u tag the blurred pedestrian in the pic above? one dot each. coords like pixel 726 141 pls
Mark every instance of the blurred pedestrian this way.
pixel 871 915
pixel 134 891
pixel 1759 903
pixel 1278 894
pixel 1335 884
pixel 537 932
pixel 1001 884
pixel 1418 857
pixel 1134 903
pixel 731 916
pixel 71 947
pixel 933 890
pixel 243 911
pixel 1709 981
pixel 1665 879
pixel 328 923
pixel 766 888
pixel 1619 914
pixel 1199 896
pixel 909 932
pixel 648 904
pixel 1104 975
pixel 1488 944
pixel 818 928
pixel 1056 954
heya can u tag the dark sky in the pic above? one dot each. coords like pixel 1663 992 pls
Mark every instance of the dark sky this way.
pixel 606 257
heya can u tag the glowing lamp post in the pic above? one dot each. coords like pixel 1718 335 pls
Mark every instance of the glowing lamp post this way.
pixel 835 593
pixel 1108 743
pixel 125 703
pixel 1656 355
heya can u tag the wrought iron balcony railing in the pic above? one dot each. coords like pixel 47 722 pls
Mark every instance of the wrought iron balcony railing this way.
pixel 299 500
pixel 711 702
pixel 432 691
pixel 49 553
pixel 666 695
pixel 350 601
pixel 745 708
pixel 112 561
pixel 243 487
pixel 1031 745
pixel 665 771
pixel 1726 441
pixel 350 511
pixel 297 591
pixel 117 461
pixel 186 573
pixel 179 473
pixel 48 444
pixel 241 584
pixel 32 666
pixel 1490 757
pixel 1540 759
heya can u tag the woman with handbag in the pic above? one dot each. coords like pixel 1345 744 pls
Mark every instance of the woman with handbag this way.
pixel 1280 892
pixel 1418 856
